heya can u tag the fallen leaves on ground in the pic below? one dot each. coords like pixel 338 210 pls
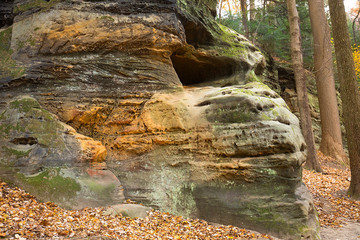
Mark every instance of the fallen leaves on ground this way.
pixel 23 217
pixel 329 191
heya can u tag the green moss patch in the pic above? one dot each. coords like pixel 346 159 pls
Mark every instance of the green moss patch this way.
pixel 102 191
pixel 24 105
pixel 252 77
pixel 17 153
pixel 2 115
pixel 7 128
pixel 8 66
pixel 32 119
pixel 235 113
pixel 49 184
pixel 35 4
pixel 107 18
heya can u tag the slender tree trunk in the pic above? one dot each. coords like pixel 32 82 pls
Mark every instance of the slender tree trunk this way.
pixel 244 17
pixel 252 10
pixel 263 9
pixel 300 80
pixel 331 141
pixel 349 92
pixel 220 8
pixel 230 13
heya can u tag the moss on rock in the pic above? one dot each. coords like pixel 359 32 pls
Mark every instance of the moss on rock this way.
pixel 17 153
pixel 97 189
pixel 236 113
pixel 50 185
pixel 8 66
pixel 24 104
pixel 30 4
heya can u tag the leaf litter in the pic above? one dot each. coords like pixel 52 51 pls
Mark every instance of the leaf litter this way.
pixel 22 216
pixel 329 190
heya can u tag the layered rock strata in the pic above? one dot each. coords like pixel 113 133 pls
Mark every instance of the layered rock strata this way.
pixel 108 77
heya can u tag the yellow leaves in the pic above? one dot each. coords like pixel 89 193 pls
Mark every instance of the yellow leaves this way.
pixel 356 56
pixel 232 6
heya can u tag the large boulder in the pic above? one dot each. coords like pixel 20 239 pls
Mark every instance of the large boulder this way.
pixel 231 155
pixel 112 77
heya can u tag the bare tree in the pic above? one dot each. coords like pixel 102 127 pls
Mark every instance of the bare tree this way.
pixel 220 8
pixel 300 80
pixel 331 141
pixel 349 92
pixel 353 24
pixel 244 17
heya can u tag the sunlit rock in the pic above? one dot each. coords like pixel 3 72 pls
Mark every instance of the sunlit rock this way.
pixel 156 91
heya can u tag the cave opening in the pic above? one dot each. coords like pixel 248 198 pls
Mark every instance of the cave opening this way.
pixel 197 67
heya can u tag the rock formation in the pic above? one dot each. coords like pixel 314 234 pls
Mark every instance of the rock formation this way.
pixel 51 160
pixel 156 91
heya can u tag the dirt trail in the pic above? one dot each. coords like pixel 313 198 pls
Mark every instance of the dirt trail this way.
pixel 350 231
pixel 339 215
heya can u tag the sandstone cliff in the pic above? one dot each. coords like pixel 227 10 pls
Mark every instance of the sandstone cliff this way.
pixel 159 93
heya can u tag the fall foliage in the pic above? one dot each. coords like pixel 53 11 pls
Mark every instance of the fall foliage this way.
pixel 24 217
pixel 329 193
pixel 356 55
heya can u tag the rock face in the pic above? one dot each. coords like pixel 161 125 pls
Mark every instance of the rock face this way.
pixel 94 85
pixel 226 154
pixel 128 210
pixel 51 160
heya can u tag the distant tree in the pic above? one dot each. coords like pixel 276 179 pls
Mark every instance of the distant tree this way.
pixel 244 17
pixel 220 9
pixel 353 24
pixel 252 10
pixel 331 140
pixel 300 80
pixel 349 92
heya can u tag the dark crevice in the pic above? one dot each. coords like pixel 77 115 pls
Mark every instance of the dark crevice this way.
pixel 286 78
pixel 194 68
pixel 24 141
pixel 6 13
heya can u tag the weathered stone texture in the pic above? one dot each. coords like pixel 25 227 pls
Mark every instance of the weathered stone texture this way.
pixel 163 96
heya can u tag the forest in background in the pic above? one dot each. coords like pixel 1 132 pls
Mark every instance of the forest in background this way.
pixel 22 216
pixel 268 28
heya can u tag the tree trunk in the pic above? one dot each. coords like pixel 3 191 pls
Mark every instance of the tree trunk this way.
pixel 348 90
pixel 331 141
pixel 300 80
pixel 230 13
pixel 252 10
pixel 244 17
pixel 220 8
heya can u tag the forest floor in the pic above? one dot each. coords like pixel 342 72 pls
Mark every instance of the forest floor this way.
pixel 338 214
pixel 23 217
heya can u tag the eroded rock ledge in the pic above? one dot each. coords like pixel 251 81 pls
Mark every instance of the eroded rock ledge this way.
pixel 89 86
